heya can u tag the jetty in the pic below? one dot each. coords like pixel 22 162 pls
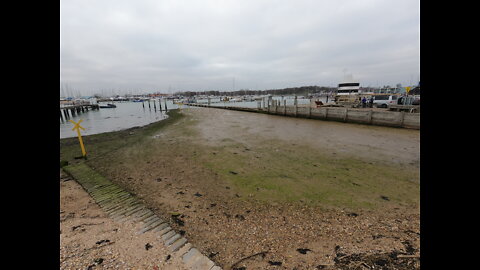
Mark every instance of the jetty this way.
pixel 68 111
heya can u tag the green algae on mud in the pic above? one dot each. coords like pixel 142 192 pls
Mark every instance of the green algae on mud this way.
pixel 283 186
pixel 261 171
pixel 276 171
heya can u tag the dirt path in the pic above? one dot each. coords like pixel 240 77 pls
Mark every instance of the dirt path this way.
pixel 91 240
pixel 298 193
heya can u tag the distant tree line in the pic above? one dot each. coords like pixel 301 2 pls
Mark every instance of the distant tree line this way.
pixel 302 90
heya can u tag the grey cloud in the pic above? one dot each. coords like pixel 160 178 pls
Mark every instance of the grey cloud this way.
pixel 157 45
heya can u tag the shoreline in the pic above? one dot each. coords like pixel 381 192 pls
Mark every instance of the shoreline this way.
pixel 108 120
pixel 213 167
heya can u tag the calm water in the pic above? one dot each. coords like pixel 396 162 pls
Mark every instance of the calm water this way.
pixel 132 114
pixel 125 115
pixel 255 104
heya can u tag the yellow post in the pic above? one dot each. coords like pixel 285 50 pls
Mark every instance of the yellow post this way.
pixel 78 127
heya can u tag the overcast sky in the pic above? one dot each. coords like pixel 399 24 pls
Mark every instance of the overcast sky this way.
pixel 175 45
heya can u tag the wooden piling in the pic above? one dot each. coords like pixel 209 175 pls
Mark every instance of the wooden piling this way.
pixel 160 103
pixel 166 105
pixel 402 117
pixel 284 107
pixel 61 117
pixel 296 106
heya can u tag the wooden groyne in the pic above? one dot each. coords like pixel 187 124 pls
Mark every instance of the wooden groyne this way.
pixel 66 112
pixel 124 207
pixel 341 114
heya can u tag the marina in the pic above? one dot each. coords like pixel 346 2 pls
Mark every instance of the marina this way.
pixel 240 135
pixel 124 115
pixel 120 113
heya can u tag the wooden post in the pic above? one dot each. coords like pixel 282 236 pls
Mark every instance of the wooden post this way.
pixel 326 112
pixel 402 118
pixel 149 104
pixel 284 107
pixel 276 106
pixel 66 114
pixel 160 103
pixel 143 104
pixel 310 111
pixel 154 106
pixel 166 109
pixel 61 116
pixel 296 106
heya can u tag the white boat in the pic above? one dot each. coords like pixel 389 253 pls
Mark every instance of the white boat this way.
pixel 348 87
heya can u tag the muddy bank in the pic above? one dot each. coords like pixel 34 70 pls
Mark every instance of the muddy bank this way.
pixel 239 184
pixel 372 142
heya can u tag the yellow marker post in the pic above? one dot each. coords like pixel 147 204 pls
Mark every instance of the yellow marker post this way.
pixel 78 127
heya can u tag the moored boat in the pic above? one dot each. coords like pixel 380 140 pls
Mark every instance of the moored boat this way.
pixel 109 105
